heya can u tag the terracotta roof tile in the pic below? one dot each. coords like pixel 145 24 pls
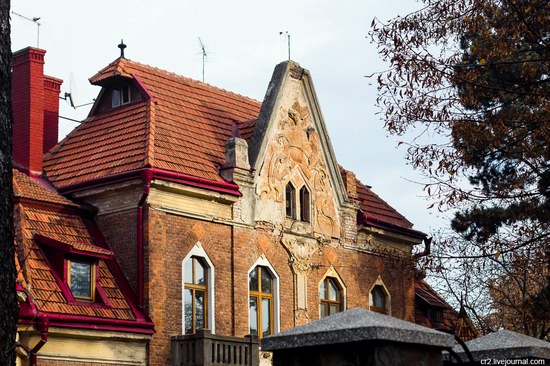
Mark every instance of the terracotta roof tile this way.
pixel 61 222
pixel 34 189
pixel 247 129
pixel 374 207
pixel 100 146
pixel 183 129
pixel 428 297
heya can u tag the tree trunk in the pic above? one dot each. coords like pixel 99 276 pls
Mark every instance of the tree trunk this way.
pixel 8 298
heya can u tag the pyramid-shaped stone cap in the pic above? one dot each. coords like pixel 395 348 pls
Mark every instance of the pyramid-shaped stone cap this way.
pixel 505 344
pixel 357 325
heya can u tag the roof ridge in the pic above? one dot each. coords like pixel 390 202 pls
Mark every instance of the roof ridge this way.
pixel 197 82
pixel 150 133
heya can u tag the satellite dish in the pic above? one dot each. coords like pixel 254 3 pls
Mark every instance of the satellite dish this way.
pixel 71 96
pixel 72 91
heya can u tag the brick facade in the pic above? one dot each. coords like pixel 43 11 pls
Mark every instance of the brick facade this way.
pixel 233 249
pixel 122 240
pixel 162 189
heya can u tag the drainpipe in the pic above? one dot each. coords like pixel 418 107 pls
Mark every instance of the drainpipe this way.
pixel 42 325
pixel 147 176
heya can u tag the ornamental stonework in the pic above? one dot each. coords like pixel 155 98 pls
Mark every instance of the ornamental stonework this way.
pixel 294 154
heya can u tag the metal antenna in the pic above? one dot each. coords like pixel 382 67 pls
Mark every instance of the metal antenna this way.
pixel 204 56
pixel 288 39
pixel 35 21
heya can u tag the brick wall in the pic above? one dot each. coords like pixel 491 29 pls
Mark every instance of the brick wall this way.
pixel 233 251
pixel 52 88
pixel 168 240
pixel 119 230
pixel 28 108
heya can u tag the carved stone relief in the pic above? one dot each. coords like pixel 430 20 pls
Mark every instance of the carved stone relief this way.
pixel 294 154
pixel 301 251
pixel 379 244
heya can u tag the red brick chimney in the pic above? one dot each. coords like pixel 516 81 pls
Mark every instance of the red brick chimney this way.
pixel 52 87
pixel 35 105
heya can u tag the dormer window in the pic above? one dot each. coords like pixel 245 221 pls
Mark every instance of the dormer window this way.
pixel 81 280
pixel 304 204
pixel 290 199
pixel 435 315
pixel 121 95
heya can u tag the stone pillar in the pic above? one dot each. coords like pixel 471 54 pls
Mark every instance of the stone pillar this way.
pixel 358 337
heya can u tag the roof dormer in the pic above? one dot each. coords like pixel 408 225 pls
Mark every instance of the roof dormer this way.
pixel 117 92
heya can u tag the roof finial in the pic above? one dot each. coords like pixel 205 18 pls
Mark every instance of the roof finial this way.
pixel 122 46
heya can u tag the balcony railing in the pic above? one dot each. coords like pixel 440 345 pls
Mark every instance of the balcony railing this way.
pixel 207 349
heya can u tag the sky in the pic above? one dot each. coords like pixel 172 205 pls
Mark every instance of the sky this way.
pixel 243 44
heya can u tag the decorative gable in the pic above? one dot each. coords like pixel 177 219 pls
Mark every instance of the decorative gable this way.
pixel 290 146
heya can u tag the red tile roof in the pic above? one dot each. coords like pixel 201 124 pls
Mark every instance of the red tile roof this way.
pixel 183 128
pixel 457 323
pixel 376 211
pixel 61 220
pixel 426 297
pixel 30 188
pixel 376 208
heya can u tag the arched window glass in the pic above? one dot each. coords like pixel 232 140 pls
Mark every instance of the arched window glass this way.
pixel 330 297
pixel 378 299
pixel 260 282
pixel 290 199
pixel 304 204
pixel 195 297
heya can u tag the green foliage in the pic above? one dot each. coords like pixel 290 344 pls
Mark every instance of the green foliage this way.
pixel 475 77
pixel 471 80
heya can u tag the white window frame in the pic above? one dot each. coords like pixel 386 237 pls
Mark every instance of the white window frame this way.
pixel 118 101
pixel 332 273
pixel 262 261
pixel 198 251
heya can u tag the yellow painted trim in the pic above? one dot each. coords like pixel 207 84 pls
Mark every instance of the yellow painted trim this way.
pixel 81 345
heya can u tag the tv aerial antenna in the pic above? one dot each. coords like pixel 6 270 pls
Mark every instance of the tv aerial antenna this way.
pixel 204 56
pixel 35 20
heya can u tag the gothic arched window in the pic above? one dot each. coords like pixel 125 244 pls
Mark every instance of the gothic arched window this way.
pixel 379 299
pixel 195 298
pixel 261 306
pixel 290 199
pixel 330 297
pixel 304 204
